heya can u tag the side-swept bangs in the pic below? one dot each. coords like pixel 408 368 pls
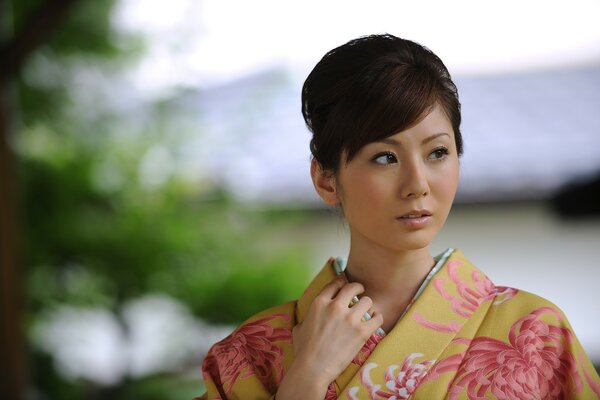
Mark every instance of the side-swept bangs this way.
pixel 372 88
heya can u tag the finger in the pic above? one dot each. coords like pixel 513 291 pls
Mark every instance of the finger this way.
pixel 375 322
pixel 332 288
pixel 363 306
pixel 348 291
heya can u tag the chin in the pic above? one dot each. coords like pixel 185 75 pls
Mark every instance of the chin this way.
pixel 411 243
pixel 413 246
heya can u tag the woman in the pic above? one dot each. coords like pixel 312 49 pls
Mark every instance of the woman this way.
pixel 393 321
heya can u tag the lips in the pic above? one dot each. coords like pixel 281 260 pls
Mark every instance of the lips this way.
pixel 416 214
pixel 415 219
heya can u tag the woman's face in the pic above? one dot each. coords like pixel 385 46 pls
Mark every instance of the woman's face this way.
pixel 397 193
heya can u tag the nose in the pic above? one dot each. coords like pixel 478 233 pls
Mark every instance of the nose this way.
pixel 414 180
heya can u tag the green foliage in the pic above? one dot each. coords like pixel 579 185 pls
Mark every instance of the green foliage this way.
pixel 85 30
pixel 86 35
pixel 250 284
pixel 86 246
pixel 156 387
pixel 96 233
pixel 89 246
pixel 47 380
pixel 160 387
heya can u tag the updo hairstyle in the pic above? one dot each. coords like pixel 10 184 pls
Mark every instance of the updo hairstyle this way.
pixel 371 88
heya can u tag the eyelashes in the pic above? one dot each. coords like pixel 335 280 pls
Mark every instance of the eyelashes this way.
pixel 388 157
pixel 385 158
pixel 440 153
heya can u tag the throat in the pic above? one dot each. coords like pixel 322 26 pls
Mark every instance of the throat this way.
pixel 392 288
pixel 391 312
pixel 390 280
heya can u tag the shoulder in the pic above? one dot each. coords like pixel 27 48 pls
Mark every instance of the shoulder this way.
pixel 535 326
pixel 280 315
pixel 504 298
pixel 520 301
pixel 523 331
pixel 273 324
pixel 254 351
pixel 515 310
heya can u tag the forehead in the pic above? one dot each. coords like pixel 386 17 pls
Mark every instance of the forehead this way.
pixel 434 123
pixel 434 119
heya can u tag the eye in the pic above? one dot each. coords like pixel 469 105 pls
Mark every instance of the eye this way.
pixel 438 154
pixel 385 159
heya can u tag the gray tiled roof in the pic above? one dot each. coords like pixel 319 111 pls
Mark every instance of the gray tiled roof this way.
pixel 525 134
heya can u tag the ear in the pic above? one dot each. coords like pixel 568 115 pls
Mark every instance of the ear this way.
pixel 324 182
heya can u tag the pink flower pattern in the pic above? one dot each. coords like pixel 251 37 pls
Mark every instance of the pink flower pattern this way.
pixel 471 297
pixel 451 327
pixel 367 349
pixel 534 364
pixel 250 350
pixel 400 385
pixel 595 386
pixel 472 294
pixel 331 393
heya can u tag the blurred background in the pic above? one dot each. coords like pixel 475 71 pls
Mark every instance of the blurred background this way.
pixel 154 172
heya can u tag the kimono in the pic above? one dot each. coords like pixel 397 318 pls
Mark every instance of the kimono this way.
pixel 462 338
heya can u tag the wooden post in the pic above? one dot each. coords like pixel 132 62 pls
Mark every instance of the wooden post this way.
pixel 12 350
pixel 15 48
pixel 12 343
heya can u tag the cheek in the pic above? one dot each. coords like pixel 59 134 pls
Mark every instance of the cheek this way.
pixel 446 183
pixel 365 191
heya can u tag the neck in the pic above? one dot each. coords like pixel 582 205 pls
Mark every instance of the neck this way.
pixel 388 274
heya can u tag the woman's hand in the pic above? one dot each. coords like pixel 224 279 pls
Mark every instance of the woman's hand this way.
pixel 333 333
pixel 330 336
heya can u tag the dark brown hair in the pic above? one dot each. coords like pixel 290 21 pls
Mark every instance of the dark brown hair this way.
pixel 371 88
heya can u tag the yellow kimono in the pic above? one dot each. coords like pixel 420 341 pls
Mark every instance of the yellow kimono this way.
pixel 463 338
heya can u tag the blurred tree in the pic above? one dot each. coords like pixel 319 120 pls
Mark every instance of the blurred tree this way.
pixel 31 29
pixel 94 231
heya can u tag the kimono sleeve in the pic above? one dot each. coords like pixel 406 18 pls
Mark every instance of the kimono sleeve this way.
pixel 249 363
pixel 583 382
pixel 546 335
pixel 525 349
pixel 540 356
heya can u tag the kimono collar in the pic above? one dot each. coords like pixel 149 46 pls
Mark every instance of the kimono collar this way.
pixel 326 275
pixel 457 300
pixel 334 266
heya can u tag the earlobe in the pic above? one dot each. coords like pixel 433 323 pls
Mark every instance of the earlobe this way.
pixel 324 183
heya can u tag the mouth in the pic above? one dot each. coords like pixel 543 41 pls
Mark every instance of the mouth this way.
pixel 416 214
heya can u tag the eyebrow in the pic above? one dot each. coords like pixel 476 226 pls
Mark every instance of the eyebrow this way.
pixel 394 142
